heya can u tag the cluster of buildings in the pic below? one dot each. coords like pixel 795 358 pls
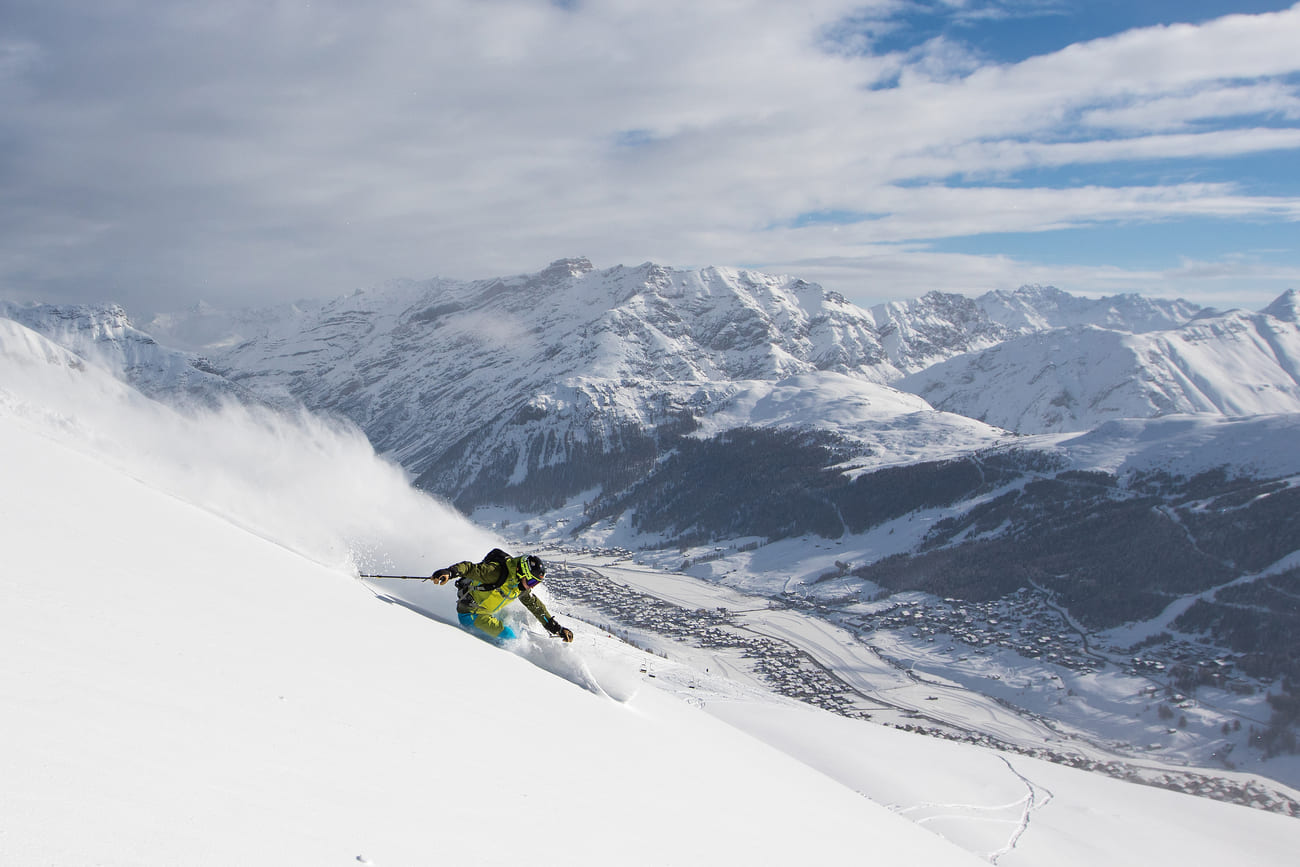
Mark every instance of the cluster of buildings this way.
pixel 784 668
pixel 1024 623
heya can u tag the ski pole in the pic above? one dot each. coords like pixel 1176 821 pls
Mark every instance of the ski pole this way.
pixel 402 577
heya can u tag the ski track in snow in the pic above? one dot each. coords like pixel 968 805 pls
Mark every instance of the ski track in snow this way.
pixel 973 824
pixel 1032 802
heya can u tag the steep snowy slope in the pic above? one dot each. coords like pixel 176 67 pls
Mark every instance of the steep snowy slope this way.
pixel 1076 378
pixel 182 691
pixel 1261 448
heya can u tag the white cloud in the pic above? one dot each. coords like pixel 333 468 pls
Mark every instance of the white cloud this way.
pixel 1174 111
pixel 1009 155
pixel 248 150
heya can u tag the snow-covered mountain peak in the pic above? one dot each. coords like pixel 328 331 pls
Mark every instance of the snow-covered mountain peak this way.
pixel 568 267
pixel 651 322
pixel 85 326
pixel 738 324
pixel 1285 307
pixel 916 334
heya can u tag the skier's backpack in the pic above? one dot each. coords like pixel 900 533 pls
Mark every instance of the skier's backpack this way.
pixel 496 555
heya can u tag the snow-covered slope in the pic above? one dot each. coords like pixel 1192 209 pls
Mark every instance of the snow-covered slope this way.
pixel 1075 378
pixel 183 691
pixel 188 682
pixel 1262 447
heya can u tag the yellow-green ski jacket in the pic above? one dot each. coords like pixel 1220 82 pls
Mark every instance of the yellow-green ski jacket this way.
pixel 478 600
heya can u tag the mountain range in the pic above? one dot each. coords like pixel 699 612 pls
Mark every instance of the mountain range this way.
pixel 534 388
pixel 1077 377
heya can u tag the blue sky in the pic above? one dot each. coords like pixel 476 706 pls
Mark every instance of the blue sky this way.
pixel 1007 31
pixel 155 154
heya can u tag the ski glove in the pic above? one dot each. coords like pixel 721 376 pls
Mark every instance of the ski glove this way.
pixel 442 576
pixel 559 631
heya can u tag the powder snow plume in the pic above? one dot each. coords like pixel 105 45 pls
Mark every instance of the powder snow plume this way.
pixel 311 484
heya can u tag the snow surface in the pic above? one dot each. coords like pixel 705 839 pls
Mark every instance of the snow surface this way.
pixel 194 676
pixel 180 690
pixel 1261 446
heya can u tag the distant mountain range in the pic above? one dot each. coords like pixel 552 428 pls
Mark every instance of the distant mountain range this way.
pixel 483 388
pixel 1077 377
pixel 534 389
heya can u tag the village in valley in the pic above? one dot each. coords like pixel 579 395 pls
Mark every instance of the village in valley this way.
pixel 1026 624
pixel 1031 626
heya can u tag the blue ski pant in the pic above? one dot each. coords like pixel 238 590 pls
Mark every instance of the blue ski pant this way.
pixel 488 625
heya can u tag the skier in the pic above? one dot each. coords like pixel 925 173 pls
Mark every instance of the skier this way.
pixel 487 587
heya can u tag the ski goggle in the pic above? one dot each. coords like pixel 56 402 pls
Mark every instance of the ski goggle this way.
pixel 526 577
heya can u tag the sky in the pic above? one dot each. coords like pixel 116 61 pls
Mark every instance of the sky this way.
pixel 250 152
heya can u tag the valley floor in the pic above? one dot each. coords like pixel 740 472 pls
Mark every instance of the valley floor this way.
pixel 1094 717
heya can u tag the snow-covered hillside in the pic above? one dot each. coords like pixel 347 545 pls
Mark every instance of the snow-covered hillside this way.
pixel 181 690
pixel 1075 378
pixel 194 675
